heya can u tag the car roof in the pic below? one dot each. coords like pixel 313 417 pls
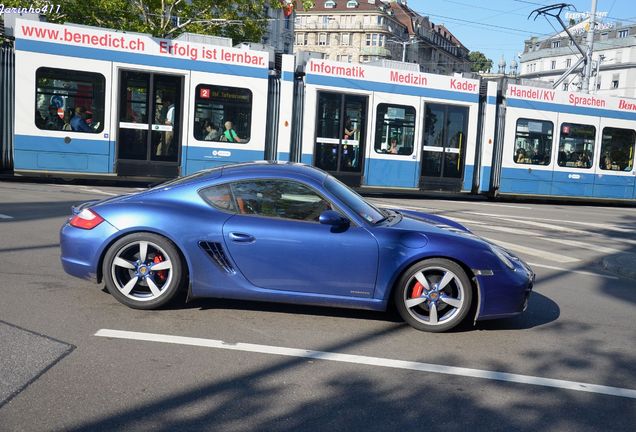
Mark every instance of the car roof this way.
pixel 274 168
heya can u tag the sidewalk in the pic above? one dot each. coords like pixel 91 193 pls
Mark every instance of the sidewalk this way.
pixel 623 264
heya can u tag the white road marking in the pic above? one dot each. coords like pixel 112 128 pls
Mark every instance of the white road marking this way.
pixel 582 245
pixel 90 190
pixel 534 252
pixel 4 216
pixel 97 191
pixel 540 236
pixel 572 271
pixel 590 224
pixel 498 205
pixel 371 361
pixel 532 223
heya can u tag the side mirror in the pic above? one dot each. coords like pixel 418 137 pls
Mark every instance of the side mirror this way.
pixel 333 218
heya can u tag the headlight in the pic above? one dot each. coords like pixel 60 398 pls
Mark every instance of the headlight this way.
pixel 503 256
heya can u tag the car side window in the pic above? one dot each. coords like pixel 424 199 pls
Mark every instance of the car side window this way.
pixel 283 199
pixel 219 196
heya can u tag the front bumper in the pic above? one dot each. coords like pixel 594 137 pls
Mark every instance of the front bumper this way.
pixel 506 292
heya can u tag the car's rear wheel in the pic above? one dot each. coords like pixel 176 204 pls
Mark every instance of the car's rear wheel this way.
pixel 433 295
pixel 143 270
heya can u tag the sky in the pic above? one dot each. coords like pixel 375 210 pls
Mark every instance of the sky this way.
pixel 499 27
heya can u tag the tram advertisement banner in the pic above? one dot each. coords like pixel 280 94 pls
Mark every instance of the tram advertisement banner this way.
pixel 572 99
pixel 136 43
pixel 392 76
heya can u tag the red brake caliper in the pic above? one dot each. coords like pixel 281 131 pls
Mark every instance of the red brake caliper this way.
pixel 161 274
pixel 417 290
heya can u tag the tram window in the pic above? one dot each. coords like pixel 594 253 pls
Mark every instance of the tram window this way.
pixel 222 114
pixel 395 129
pixel 576 146
pixel 617 149
pixel 533 142
pixel 69 100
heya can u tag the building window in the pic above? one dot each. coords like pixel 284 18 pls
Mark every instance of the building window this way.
pixel 330 4
pixel 565 86
pixel 322 39
pixel 301 39
pixel 364 59
pixel 374 39
pixel 568 63
pixel 214 106
pixel 553 64
pixel 351 4
pixel 598 82
pixel 345 40
pixel 576 146
pixel 615 84
pixel 604 35
pixel 556 44
pixel 533 142
pixel 395 129
pixel 334 39
pixel 72 100
pixel 623 33
pixel 287 23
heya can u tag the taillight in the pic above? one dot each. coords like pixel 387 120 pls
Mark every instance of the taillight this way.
pixel 86 219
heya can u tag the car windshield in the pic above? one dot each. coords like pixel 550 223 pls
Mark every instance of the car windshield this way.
pixel 354 201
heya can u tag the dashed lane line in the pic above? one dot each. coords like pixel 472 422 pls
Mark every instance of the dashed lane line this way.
pixel 534 252
pixel 4 216
pixel 533 223
pixel 581 272
pixel 372 361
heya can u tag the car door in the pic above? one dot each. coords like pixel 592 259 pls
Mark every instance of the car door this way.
pixel 277 243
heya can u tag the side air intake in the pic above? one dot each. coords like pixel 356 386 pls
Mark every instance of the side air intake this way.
pixel 216 252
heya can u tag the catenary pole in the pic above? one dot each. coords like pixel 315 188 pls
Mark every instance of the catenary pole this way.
pixel 587 73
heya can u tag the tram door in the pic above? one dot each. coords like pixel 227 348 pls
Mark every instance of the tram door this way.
pixel 149 128
pixel 340 131
pixel 444 147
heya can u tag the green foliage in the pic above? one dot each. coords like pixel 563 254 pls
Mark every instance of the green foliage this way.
pixel 242 20
pixel 479 62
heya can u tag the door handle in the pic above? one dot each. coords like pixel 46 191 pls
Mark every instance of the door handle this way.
pixel 241 237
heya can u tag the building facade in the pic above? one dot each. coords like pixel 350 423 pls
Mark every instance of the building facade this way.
pixel 614 59
pixel 279 33
pixel 431 45
pixel 360 31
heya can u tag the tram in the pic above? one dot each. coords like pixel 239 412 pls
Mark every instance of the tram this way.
pixel 99 103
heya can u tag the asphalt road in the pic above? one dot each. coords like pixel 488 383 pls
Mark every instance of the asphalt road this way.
pixel 56 374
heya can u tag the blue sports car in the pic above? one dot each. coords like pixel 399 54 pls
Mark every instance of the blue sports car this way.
pixel 289 233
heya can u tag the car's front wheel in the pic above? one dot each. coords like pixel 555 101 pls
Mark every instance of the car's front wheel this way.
pixel 143 270
pixel 433 295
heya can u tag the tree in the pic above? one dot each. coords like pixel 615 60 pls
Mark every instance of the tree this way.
pixel 242 20
pixel 479 62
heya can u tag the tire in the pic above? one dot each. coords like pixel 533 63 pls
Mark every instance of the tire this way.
pixel 433 295
pixel 147 283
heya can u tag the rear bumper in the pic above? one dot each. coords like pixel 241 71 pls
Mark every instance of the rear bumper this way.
pixel 81 249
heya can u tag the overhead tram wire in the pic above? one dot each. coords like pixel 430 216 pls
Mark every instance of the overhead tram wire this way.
pixel 482 25
pixel 501 12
